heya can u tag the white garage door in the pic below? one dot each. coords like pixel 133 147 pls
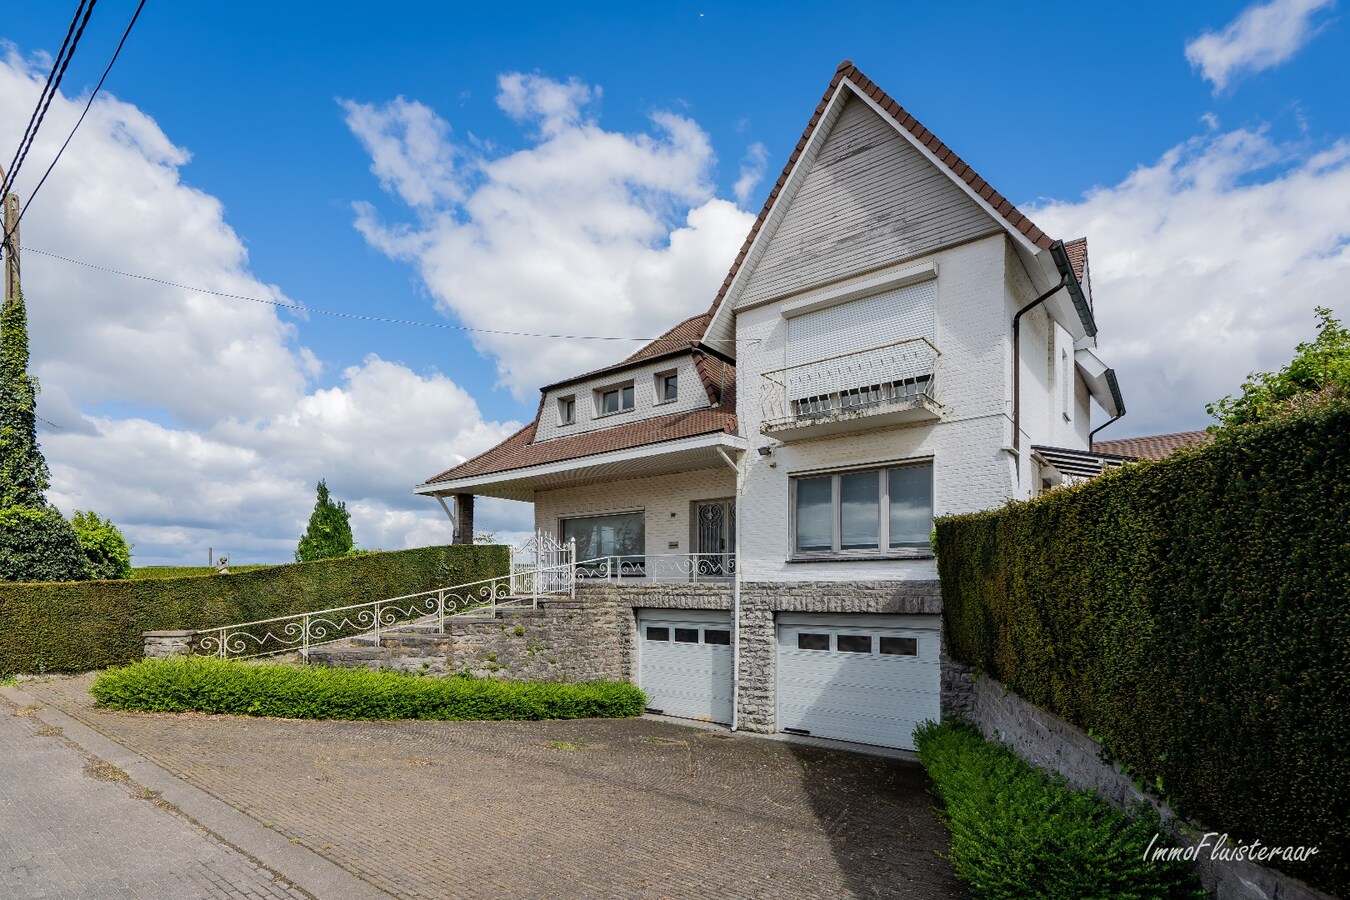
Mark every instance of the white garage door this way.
pixel 684 662
pixel 869 679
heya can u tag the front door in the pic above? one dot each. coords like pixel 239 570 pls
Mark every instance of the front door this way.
pixel 715 537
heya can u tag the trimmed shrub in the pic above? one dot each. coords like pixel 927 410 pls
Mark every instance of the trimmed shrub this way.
pixel 95 624
pixel 189 571
pixel 204 684
pixel 1191 614
pixel 105 549
pixel 1017 832
pixel 38 544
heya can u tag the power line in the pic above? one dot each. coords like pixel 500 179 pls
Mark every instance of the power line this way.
pixel 78 122
pixel 49 92
pixel 328 312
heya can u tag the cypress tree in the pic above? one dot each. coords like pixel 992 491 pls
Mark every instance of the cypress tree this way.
pixel 23 471
pixel 330 529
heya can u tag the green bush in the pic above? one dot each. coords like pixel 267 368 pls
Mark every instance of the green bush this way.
pixel 105 549
pixel 1016 832
pixel 95 624
pixel 329 533
pixel 204 684
pixel 1192 614
pixel 37 543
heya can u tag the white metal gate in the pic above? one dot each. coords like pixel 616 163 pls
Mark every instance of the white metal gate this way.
pixel 542 565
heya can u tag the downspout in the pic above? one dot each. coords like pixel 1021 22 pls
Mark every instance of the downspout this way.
pixel 1114 387
pixel 1017 366
pixel 736 595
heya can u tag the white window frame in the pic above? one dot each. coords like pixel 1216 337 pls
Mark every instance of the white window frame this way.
pixel 567 410
pixel 662 378
pixel 883 549
pixel 619 389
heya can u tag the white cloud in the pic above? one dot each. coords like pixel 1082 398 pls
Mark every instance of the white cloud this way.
pixel 584 231
pixel 229 432
pixel 409 150
pixel 752 172
pixel 1262 37
pixel 1207 264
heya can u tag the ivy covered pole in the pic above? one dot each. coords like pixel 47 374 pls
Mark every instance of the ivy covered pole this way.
pixel 23 472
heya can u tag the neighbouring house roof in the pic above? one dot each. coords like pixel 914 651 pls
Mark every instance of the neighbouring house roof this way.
pixel 1077 251
pixel 519 452
pixel 1154 446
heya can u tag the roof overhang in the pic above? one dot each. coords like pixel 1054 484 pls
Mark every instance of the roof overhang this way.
pixel 1101 381
pixel 666 458
pixel 1079 463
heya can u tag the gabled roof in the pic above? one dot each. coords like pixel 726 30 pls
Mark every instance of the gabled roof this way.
pixel 681 338
pixel 1155 446
pixel 847 71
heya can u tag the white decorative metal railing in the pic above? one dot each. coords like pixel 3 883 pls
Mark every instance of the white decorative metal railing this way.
pixel 896 374
pixel 542 565
pixel 428 610
pixel 691 567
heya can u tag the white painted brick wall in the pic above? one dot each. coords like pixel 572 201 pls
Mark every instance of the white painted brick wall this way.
pixel 666 499
pixel 971 471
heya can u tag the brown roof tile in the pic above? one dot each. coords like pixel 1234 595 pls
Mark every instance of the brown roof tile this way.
pixel 518 451
pixel 1154 446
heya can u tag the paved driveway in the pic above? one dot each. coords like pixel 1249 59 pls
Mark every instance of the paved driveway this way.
pixel 594 808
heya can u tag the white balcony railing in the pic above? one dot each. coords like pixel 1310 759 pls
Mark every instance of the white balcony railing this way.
pixel 690 567
pixel 897 380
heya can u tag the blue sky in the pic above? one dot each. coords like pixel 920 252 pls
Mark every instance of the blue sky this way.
pixel 1092 121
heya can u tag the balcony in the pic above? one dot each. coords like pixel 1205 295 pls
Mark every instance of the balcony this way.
pixel 893 384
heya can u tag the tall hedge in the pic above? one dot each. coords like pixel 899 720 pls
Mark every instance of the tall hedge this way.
pixel 75 627
pixel 1194 614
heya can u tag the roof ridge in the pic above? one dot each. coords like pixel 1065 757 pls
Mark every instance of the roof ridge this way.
pixel 847 70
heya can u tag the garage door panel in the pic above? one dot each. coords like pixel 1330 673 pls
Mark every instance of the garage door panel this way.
pixel 683 678
pixel 868 697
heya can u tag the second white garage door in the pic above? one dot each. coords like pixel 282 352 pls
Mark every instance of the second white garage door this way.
pixel 869 679
pixel 684 662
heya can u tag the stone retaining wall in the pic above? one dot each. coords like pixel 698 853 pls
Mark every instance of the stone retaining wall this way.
pixel 1045 740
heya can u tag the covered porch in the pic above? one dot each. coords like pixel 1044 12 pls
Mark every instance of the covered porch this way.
pixel 660 512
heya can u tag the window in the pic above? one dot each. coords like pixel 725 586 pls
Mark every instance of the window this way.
pixel 900 646
pixel 717 636
pixel 813 641
pixel 1066 391
pixel 621 535
pixel 686 635
pixel 867 513
pixel 667 387
pixel 567 410
pixel 614 400
pixel 854 643
pixel 658 634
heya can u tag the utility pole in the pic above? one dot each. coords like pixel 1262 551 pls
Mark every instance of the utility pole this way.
pixel 10 250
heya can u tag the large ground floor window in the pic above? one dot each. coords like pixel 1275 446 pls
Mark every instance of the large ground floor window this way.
pixel 870 512
pixel 621 534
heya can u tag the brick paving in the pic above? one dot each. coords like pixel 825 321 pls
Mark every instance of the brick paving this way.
pixel 73 827
pixel 594 808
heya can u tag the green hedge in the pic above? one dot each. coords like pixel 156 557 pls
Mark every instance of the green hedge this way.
pixel 1194 615
pixel 75 627
pixel 203 684
pixel 188 571
pixel 1016 832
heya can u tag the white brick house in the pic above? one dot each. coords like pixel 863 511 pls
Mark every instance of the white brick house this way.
pixel 894 341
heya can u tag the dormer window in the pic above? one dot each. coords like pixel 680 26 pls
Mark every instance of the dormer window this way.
pixel 667 387
pixel 567 410
pixel 614 400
